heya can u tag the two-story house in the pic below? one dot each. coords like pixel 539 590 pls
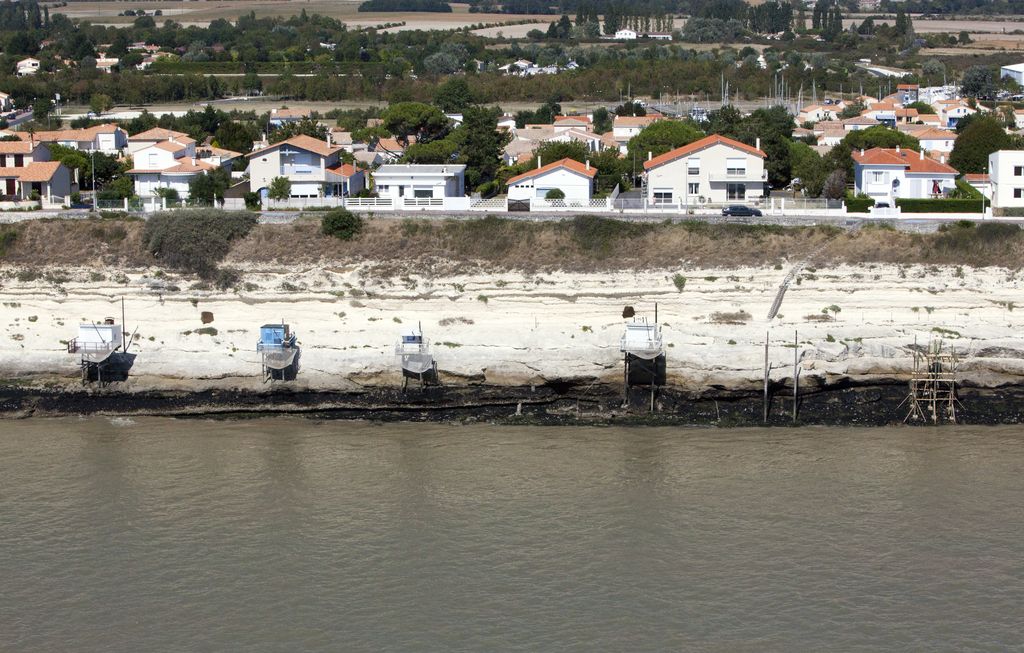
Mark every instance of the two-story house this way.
pixel 1006 177
pixel 714 169
pixel 312 166
pixel 891 174
pixel 156 135
pixel 108 138
pixel 167 165
pixel 574 179
pixel 626 127
pixel 26 67
pixel 6 102
pixel 26 172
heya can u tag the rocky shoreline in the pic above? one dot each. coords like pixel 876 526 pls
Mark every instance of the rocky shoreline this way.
pixel 567 402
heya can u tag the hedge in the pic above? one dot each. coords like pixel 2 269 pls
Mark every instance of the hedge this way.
pixel 939 206
pixel 859 204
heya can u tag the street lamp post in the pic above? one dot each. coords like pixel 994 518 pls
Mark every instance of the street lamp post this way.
pixel 92 158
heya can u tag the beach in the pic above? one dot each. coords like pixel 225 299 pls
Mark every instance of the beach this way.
pixel 855 323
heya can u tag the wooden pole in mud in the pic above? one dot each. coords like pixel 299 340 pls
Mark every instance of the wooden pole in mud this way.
pixel 765 418
pixel 796 371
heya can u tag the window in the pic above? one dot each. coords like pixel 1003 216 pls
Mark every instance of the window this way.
pixel 1018 171
pixel 662 197
pixel 736 166
pixel 878 177
pixel 152 160
pixel 1018 193
pixel 19 160
pixel 693 165
pixel 422 192
pixel 736 191
pixel 693 188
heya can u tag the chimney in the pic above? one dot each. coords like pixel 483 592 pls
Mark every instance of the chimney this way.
pixel 897 149
pixel 538 161
pixel 649 156
pixel 922 155
pixel 862 151
pixel 588 165
pixel 328 138
pixel 193 161
pixel 942 159
pixel 757 144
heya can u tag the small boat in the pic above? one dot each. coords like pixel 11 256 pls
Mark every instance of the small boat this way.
pixel 413 354
pixel 280 352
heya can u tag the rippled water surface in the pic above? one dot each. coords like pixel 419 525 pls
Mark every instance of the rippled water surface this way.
pixel 290 535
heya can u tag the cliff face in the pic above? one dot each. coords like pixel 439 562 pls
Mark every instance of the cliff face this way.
pixel 852 323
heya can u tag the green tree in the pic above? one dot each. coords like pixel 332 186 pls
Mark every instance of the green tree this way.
pixel 481 144
pixel 807 166
pixel 983 136
pixel 423 121
pixel 602 121
pixel 978 82
pixel 236 136
pixel 661 136
pixel 307 126
pixel 41 109
pixel 280 188
pixel 208 188
pixel 839 157
pixel 454 95
pixel 923 108
pixel 100 103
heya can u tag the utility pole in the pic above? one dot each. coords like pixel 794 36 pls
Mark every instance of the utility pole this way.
pixel 92 157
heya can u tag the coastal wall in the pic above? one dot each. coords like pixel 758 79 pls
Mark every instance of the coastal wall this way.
pixel 515 329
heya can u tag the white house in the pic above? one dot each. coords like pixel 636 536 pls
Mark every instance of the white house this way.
pixel 860 122
pixel 816 113
pixel 625 35
pixel 714 169
pixel 107 64
pixel 108 138
pixel 282 116
pixel 1006 172
pixel 26 172
pixel 26 67
pixel 167 165
pixel 420 181
pixel 1018 118
pixel 156 135
pixel 6 102
pixel 312 166
pixel 1014 72
pixel 891 174
pixel 574 179
pixel 935 140
pixel 981 183
pixel 626 127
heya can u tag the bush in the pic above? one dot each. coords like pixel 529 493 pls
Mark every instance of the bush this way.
pixel 252 201
pixel 859 204
pixel 939 206
pixel 341 223
pixel 195 240
pixel 7 238
pixel 554 194
pixel 600 235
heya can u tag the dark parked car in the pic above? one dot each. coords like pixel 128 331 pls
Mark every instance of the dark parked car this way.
pixel 881 205
pixel 738 210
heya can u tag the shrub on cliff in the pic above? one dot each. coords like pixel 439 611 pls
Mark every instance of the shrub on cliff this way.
pixel 341 223
pixel 195 240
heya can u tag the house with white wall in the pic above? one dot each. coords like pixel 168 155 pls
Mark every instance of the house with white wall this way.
pixel 713 169
pixel 626 127
pixel 420 181
pixel 935 140
pixel 312 166
pixel 157 135
pixel 574 179
pixel 625 35
pixel 817 113
pixel 26 67
pixel 6 102
pixel 167 165
pixel 107 138
pixel 891 174
pixel 1014 72
pixel 26 171
pixel 1006 175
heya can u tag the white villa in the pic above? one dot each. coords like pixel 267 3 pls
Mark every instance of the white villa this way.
pixel 891 174
pixel 167 164
pixel 108 139
pixel 1006 176
pixel 156 135
pixel 574 179
pixel 714 169
pixel 313 166
pixel 26 67
pixel 420 181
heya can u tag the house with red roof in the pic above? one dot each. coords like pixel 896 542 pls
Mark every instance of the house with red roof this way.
pixel 27 173
pixel 313 167
pixel 574 179
pixel 713 169
pixel 891 174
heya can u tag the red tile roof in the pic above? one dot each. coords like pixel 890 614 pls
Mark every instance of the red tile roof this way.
pixel 706 142
pixel 160 134
pixel 571 164
pixel 345 170
pixel 303 142
pixel 909 159
pixel 38 171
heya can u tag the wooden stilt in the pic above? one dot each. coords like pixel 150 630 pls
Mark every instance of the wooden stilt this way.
pixel 765 416
pixel 796 373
